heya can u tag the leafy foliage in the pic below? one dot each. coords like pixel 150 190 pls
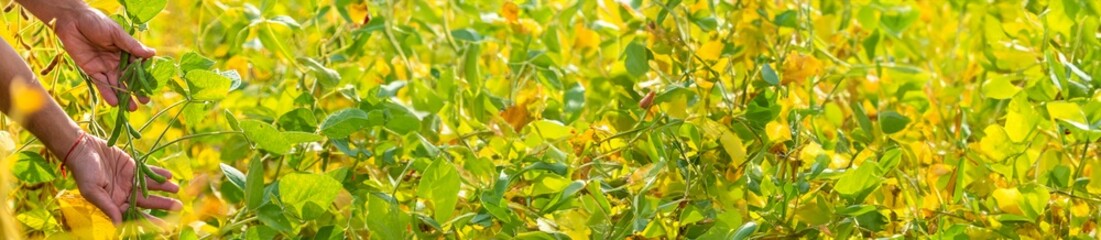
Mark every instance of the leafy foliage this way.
pixel 606 119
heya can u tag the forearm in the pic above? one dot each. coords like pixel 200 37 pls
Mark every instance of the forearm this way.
pixel 47 10
pixel 48 122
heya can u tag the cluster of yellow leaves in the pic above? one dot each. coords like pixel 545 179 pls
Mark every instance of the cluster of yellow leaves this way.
pixel 85 219
pixel 798 67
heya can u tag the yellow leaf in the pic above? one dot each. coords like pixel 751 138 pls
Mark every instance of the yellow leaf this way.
pixel 799 67
pixel 1008 200
pixel 1094 187
pixel 359 12
pixel 710 51
pixel 510 11
pixel 239 63
pixel 810 152
pixel 584 38
pixel 85 220
pixel 517 116
pixel 1062 110
pixel 777 131
pixel 1080 209
pixel 528 26
pixel 733 146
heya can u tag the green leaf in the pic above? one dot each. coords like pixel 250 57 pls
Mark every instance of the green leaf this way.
pixel 896 20
pixel 32 169
pixel 1034 199
pixel 233 76
pixel 235 176
pixel 300 137
pixel 769 75
pixel 385 219
pixel 1020 118
pixel 232 120
pixel 207 85
pixel 328 77
pixel 861 117
pixel 1000 88
pixel 194 113
pixel 440 184
pixel 299 119
pixel 565 196
pixel 548 129
pixel 164 69
pixel 858 183
pixel 1069 113
pixel 268 138
pixel 890 160
pixel 254 184
pixel 787 18
pixel 745 231
pixel 299 191
pixel 272 216
pixel 342 123
pixel 870 45
pixel 142 11
pixel 550 39
pixel 192 61
pixel 892 122
pixel 637 61
pixel 466 34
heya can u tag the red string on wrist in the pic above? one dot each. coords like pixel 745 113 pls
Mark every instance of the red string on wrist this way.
pixel 66 159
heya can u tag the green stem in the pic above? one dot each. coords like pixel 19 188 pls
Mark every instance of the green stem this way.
pixel 161 147
pixel 159 113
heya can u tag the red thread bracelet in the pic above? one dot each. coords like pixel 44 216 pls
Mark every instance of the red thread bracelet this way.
pixel 66 159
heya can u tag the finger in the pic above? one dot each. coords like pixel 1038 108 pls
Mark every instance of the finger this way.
pixel 167 186
pixel 105 90
pixel 133 105
pixel 113 80
pixel 143 99
pixel 161 171
pixel 131 45
pixel 99 198
pixel 159 202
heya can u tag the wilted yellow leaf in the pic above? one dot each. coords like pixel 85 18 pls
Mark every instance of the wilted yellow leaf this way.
pixel 1008 199
pixel 528 26
pixel 584 38
pixel 777 131
pixel 359 13
pixel 510 11
pixel 733 146
pixel 710 51
pixel 84 219
pixel 798 67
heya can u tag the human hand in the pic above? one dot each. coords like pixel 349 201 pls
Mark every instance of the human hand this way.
pixel 96 42
pixel 105 177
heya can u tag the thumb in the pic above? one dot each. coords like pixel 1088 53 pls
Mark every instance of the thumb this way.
pixel 129 44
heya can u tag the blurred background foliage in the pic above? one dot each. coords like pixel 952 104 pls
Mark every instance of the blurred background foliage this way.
pixel 549 119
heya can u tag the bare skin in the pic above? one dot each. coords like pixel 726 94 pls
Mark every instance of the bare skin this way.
pixel 103 174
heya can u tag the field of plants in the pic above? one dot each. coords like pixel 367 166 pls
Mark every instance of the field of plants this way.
pixel 575 119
